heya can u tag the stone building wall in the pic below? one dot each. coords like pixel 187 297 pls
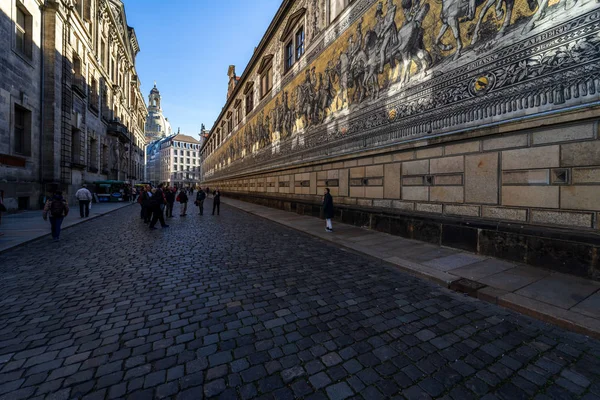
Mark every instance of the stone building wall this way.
pixel 89 105
pixel 20 87
pixel 487 140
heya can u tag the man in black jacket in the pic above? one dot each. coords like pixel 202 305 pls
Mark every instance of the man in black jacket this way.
pixel 156 201
pixel 200 196
pixel 170 197
pixel 216 201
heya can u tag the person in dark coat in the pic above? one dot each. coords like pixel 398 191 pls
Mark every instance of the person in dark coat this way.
pixel 216 201
pixel 328 210
pixel 170 197
pixel 200 196
pixel 157 199
pixel 145 201
pixel 182 197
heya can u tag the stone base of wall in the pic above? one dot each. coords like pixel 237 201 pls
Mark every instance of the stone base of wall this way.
pixel 562 250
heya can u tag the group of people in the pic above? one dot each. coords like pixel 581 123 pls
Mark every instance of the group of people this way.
pixel 154 201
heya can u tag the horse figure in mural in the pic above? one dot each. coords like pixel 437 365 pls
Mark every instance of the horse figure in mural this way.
pixel 366 63
pixel 341 73
pixel 453 11
pixel 410 45
pixel 324 98
pixel 288 117
pixel 303 106
pixel 351 72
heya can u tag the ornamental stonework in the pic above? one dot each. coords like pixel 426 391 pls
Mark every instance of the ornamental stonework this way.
pixel 387 72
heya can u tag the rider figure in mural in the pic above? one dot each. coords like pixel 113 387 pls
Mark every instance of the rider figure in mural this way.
pixel 387 32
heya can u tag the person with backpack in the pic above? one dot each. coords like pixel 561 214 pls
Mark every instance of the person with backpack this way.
pixel 200 197
pixel 182 198
pixel 56 208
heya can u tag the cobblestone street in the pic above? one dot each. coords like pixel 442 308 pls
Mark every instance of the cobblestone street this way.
pixel 236 306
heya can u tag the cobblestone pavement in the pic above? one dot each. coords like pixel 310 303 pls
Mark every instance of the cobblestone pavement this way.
pixel 239 307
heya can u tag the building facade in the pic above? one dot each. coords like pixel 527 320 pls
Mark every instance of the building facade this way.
pixel 71 107
pixel 157 126
pixel 175 161
pixel 472 127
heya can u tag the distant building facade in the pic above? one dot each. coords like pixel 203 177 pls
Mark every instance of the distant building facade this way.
pixel 471 127
pixel 157 126
pixel 71 110
pixel 174 160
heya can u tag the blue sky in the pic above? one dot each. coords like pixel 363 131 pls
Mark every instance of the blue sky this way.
pixel 187 46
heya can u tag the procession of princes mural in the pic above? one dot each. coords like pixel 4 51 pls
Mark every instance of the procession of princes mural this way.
pixel 390 48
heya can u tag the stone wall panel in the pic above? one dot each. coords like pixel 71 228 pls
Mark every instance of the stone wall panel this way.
pixel 481 178
pixel 530 196
pixel 391 180
pixel 447 165
pixel 534 157
pixel 580 154
pixel 580 197
pixel 564 133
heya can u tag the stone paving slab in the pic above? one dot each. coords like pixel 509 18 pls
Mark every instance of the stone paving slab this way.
pixel 239 307
pixel 568 301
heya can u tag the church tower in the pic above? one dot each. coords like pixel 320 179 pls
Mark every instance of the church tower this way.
pixel 157 126
pixel 154 98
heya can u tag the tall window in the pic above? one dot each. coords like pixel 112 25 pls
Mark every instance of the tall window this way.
pixel 103 53
pixel 104 158
pixel 266 81
pixel 77 73
pixel 76 146
pixel 289 55
pixel 93 154
pixel 230 125
pixel 79 7
pixel 299 43
pixel 249 102
pixel 23 32
pixel 94 94
pixel 22 131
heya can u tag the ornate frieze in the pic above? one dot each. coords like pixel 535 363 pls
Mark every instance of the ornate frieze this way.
pixel 398 75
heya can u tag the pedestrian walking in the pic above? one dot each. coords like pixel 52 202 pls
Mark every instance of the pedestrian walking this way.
pixel 55 209
pixel 328 210
pixel 158 200
pixel 200 197
pixel 147 204
pixel 85 197
pixel 134 194
pixel 216 201
pixel 170 197
pixel 182 198
pixel 207 192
